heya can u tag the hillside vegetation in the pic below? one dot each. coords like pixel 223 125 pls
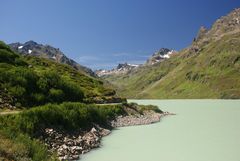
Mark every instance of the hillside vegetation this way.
pixel 209 68
pixel 31 81
pixel 28 81
pixel 51 95
pixel 48 52
pixel 19 133
pixel 22 135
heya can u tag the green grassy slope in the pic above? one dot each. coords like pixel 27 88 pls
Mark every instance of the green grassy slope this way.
pixel 31 81
pixel 131 84
pixel 214 72
pixel 209 68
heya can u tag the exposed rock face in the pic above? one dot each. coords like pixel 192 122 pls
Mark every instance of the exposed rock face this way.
pixel 160 56
pixel 228 24
pixel 49 52
pixel 224 25
pixel 121 69
pixel 201 33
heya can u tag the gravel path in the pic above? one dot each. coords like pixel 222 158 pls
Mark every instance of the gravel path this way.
pixel 9 112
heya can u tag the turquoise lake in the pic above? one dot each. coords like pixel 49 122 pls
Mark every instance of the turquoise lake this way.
pixel 202 130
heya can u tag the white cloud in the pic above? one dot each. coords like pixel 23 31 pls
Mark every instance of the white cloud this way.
pixel 83 59
pixel 96 66
pixel 121 54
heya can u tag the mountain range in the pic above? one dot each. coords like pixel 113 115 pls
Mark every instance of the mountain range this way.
pixel 49 52
pixel 208 68
pixel 158 56
pixel 52 108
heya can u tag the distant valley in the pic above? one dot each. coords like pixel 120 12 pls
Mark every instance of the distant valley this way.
pixel 124 68
pixel 208 68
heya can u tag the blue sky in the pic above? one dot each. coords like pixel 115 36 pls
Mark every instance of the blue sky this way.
pixel 102 33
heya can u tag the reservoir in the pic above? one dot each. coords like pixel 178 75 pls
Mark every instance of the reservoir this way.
pixel 201 130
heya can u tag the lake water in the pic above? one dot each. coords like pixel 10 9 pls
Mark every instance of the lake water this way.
pixel 202 130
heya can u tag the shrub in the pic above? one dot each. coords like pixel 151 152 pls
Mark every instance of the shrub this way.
pixel 56 95
pixel 39 98
pixel 31 89
pixel 17 91
pixel 22 147
pixel 67 116
pixel 72 92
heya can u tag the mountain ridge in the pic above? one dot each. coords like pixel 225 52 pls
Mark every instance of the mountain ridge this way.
pixel 28 80
pixel 124 68
pixel 47 51
pixel 208 68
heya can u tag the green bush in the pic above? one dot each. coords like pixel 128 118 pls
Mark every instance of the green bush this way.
pixel 56 95
pixel 7 56
pixel 22 147
pixel 38 98
pixel 17 91
pixel 67 116
pixel 22 129
pixel 32 89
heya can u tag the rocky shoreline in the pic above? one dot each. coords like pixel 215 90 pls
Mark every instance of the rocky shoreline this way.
pixel 148 117
pixel 71 146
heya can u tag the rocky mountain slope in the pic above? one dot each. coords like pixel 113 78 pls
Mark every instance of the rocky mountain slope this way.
pixel 127 68
pixel 208 68
pixel 161 55
pixel 49 52
pixel 120 69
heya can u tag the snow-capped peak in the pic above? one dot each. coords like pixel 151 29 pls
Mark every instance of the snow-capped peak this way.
pixel 120 69
pixel 160 56
pixel 168 54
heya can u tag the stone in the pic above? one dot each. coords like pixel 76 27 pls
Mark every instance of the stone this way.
pixel 64 146
pixel 105 132
pixel 75 157
pixel 69 146
pixel 93 130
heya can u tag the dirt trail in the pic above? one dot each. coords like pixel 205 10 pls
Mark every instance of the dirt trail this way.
pixel 9 112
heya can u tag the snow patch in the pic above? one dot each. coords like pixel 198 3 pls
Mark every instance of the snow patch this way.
pixel 20 47
pixel 133 65
pixel 29 51
pixel 122 68
pixel 166 56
